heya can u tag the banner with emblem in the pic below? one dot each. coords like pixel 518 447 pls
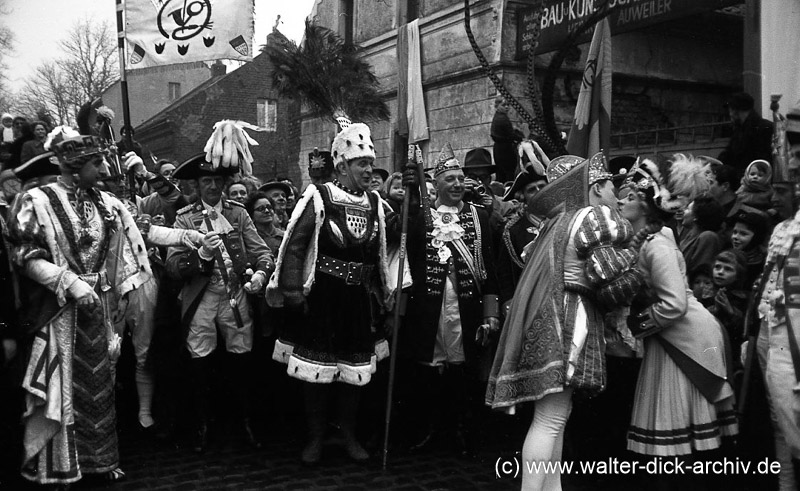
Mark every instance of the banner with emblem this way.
pixel 165 32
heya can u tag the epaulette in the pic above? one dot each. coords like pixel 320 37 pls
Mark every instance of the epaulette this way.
pixel 185 209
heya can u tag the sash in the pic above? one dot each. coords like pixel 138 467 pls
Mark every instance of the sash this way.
pixel 473 262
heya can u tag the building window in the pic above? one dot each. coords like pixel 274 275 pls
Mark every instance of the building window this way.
pixel 347 20
pixel 268 114
pixel 174 91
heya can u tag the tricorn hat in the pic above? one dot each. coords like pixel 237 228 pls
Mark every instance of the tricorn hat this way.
pixel 520 183
pixel 44 164
pixel 197 165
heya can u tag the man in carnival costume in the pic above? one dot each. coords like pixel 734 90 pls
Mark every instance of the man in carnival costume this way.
pixel 779 312
pixel 518 232
pixel 453 305
pixel 233 261
pixel 331 267
pixel 83 249
pixel 552 341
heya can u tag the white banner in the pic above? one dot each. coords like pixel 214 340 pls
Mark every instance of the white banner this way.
pixel 163 32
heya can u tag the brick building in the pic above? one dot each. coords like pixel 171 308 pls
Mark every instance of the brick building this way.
pixel 152 89
pixel 181 129
pixel 674 73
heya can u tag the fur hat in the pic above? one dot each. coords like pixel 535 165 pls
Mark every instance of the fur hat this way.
pixel 669 185
pixel 353 142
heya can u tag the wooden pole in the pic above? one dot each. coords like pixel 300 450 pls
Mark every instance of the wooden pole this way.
pixel 398 296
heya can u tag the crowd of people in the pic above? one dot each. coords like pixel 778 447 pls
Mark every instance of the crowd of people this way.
pixel 618 289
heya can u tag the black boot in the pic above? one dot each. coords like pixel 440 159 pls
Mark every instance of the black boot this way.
pixel 347 407
pixel 199 372
pixel 456 385
pixel 316 402
pixel 427 405
pixel 239 367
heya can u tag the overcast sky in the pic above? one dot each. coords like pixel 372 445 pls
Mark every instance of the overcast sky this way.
pixel 39 25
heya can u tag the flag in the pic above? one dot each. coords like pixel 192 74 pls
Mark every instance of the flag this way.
pixel 591 127
pixel 411 118
pixel 164 32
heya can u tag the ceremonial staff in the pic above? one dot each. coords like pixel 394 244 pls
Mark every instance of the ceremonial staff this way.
pixel 223 272
pixel 123 85
pixel 414 156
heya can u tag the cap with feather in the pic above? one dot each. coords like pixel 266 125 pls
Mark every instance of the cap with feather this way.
pixel 669 185
pixel 226 152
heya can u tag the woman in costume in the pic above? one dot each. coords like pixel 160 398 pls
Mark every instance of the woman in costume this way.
pixel 331 263
pixel 683 402
pixel 82 248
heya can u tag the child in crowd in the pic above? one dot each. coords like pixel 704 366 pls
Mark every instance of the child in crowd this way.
pixel 756 190
pixel 700 242
pixel 730 301
pixel 395 192
pixel 702 284
pixel 750 229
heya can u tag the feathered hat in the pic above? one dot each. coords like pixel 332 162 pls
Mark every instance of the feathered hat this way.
pixel 227 152
pixel 446 161
pixel 669 185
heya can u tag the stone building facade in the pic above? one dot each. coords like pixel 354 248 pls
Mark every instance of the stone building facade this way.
pixel 673 74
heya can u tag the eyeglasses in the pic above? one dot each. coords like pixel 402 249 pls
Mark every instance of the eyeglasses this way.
pixel 263 209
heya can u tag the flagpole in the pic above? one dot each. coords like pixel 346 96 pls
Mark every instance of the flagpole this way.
pixel 123 85
pixel 398 307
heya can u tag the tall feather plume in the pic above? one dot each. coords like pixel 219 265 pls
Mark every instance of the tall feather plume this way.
pixel 686 177
pixel 229 145
pixel 328 75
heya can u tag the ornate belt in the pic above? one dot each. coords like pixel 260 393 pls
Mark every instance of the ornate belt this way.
pixel 352 273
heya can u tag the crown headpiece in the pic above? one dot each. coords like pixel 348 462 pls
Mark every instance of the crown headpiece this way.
pixel 78 147
pixel 598 168
pixel 447 161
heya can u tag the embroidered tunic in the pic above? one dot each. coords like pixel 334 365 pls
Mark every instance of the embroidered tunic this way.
pixel 333 254
pixel 70 417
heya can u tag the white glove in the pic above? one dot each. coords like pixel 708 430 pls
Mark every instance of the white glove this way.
pixel 133 162
pixel 256 282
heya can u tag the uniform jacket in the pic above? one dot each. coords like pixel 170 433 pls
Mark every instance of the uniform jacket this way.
pixel 246 247
pixel 518 232
pixel 425 301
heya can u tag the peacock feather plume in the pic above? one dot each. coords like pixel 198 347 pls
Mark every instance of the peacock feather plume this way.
pixel 328 75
